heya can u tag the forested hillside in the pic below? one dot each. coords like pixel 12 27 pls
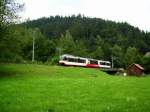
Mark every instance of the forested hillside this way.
pixel 95 38
pixel 88 29
pixel 77 35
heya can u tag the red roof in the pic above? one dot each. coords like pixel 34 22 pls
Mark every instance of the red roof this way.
pixel 137 65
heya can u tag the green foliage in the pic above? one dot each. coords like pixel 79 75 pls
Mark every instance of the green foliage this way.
pixel 44 48
pixel 76 35
pixel 96 34
pixel 98 46
pixel 17 44
pixel 131 56
pixel 9 44
pixel 40 88
pixel 117 55
pixel 80 49
pixel 66 43
pixel 53 60
pixel 99 41
pixel 98 53
pixel 8 11
pixel 146 63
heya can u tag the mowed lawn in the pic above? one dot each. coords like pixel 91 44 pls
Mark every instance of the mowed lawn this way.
pixel 41 88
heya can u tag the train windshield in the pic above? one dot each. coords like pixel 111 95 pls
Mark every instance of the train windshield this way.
pixel 63 58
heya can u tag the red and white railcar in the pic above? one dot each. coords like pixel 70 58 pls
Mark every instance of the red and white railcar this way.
pixel 70 60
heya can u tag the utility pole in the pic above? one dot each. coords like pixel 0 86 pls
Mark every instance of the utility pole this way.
pixel 33 46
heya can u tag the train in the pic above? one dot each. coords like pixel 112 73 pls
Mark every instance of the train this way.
pixel 70 60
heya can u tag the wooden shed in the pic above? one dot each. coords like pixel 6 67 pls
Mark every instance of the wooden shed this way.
pixel 135 69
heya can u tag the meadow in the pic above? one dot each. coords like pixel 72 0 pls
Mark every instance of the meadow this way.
pixel 43 88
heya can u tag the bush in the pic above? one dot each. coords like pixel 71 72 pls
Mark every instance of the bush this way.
pixel 53 60
pixel 146 64
pixel 11 59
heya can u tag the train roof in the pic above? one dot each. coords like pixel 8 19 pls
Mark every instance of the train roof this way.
pixel 68 55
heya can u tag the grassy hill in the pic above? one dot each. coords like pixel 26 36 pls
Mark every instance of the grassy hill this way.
pixel 41 88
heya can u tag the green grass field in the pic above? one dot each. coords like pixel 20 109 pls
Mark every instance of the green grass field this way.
pixel 41 88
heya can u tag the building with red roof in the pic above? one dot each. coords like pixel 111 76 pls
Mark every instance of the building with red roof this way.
pixel 135 69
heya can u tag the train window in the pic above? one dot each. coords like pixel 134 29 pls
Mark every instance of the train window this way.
pixel 108 64
pixel 71 59
pixel 104 63
pixel 93 62
pixel 81 60
pixel 75 60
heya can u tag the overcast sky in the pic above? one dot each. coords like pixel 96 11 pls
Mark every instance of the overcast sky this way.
pixel 135 12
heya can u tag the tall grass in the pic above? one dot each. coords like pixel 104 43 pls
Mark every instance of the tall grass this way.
pixel 40 88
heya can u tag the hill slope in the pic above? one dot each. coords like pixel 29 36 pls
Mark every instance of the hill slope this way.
pixel 40 88
pixel 86 28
